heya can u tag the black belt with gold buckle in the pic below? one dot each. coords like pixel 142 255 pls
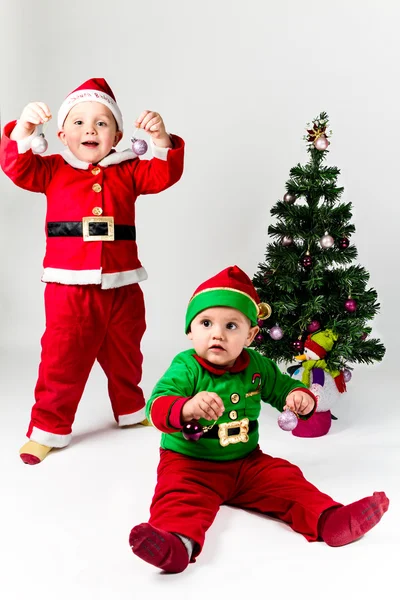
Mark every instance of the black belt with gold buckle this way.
pixel 213 433
pixel 92 229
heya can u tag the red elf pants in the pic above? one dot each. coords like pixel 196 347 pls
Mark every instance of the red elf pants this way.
pixel 85 323
pixel 189 493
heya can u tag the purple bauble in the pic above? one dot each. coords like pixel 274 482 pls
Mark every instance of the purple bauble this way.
pixel 347 375
pixel 287 420
pixel 321 143
pixel 343 243
pixel 192 431
pixel 276 333
pixel 350 305
pixel 259 338
pixel 364 336
pixel 306 261
pixel 139 146
pixel 260 322
pixel 313 326
pixel 297 345
pixel 39 144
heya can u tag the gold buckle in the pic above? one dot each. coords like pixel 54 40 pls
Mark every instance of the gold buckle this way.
pixel 223 432
pixel 98 238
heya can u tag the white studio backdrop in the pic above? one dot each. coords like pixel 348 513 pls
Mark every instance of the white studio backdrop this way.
pixel 238 81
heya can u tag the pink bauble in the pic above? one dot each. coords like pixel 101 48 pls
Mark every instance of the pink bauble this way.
pixel 287 420
pixel 321 143
pixel 314 326
pixel 276 333
pixel 139 146
pixel 39 144
pixel 350 305
pixel 347 375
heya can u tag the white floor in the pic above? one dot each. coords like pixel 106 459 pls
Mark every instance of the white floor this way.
pixel 65 523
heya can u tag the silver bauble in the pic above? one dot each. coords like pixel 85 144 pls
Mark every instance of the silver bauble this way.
pixel 289 198
pixel 326 241
pixel 39 144
pixel 287 240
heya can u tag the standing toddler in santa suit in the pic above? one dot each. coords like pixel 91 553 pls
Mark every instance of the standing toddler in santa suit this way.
pixel 207 405
pixel 93 302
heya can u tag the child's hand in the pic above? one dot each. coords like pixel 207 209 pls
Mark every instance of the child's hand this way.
pixel 204 405
pixel 152 123
pixel 34 113
pixel 300 402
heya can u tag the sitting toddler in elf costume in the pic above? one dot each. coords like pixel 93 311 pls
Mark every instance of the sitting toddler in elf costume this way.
pixel 220 385
pixel 93 301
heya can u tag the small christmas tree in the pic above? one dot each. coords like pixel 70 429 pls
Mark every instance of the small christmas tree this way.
pixel 309 277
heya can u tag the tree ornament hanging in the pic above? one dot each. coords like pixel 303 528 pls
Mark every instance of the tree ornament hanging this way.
pixel 287 241
pixel 288 420
pixel 276 333
pixel 317 135
pixel 321 143
pixel 347 375
pixel 343 243
pixel 259 338
pixel 297 345
pixel 350 305
pixel 289 198
pixel 313 326
pixel 307 261
pixel 326 241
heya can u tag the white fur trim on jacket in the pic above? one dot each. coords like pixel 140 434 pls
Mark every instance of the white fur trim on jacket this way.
pixel 25 144
pixel 94 276
pixel 53 440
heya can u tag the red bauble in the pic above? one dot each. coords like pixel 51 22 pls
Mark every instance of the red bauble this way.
pixel 343 243
pixel 306 261
pixel 297 345
pixel 350 305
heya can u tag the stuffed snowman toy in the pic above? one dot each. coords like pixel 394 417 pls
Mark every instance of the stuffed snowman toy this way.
pixel 325 384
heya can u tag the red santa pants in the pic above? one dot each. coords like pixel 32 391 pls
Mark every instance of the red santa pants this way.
pixel 189 493
pixel 85 323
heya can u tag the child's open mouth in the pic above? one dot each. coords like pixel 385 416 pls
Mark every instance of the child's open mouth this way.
pixel 90 144
pixel 217 347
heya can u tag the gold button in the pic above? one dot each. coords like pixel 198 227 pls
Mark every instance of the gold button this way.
pixel 96 187
pixel 96 171
pixel 235 398
pixel 233 415
pixel 97 211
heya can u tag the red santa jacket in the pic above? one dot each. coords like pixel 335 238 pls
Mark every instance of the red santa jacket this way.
pixel 90 219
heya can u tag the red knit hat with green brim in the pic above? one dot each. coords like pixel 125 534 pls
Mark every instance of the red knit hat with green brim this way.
pixel 231 288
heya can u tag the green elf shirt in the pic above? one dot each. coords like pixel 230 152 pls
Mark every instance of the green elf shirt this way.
pixel 252 379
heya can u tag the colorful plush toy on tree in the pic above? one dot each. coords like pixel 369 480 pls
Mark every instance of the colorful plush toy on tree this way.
pixel 311 281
